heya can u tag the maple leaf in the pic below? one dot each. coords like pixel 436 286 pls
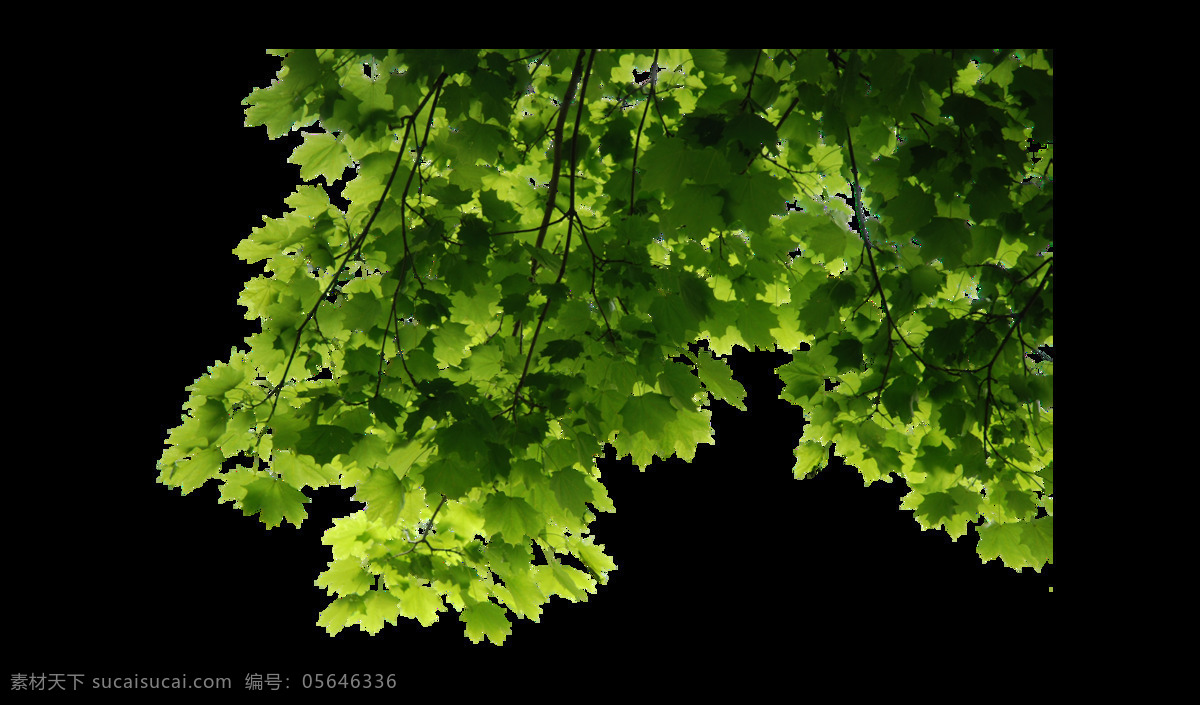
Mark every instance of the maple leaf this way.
pixel 486 619
pixel 321 154
pixel 510 517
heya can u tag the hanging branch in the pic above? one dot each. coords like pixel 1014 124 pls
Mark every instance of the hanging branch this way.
pixel 637 142
pixel 555 170
pixel 436 87
pixel 750 84
pixel 558 139
pixel 423 535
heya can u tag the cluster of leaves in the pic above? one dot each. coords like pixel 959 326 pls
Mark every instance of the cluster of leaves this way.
pixel 534 243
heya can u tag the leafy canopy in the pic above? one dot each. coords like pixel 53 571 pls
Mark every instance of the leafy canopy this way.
pixel 535 244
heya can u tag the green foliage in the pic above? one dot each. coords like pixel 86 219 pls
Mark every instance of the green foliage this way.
pixel 532 243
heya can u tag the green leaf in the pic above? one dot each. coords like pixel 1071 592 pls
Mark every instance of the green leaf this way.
pixel 617 141
pixel 947 239
pixel 325 442
pixel 220 379
pixel 707 166
pixel 803 378
pixel 190 473
pixel 320 154
pixel 572 491
pixel 300 472
pixel 811 458
pixel 1005 541
pixel 341 613
pixel 849 354
pixel 486 619
pixel 345 576
pixel 381 608
pixel 899 398
pixel 453 478
pixel 718 380
pixel 698 209
pixel 755 198
pixel 592 555
pixel 511 518
pixel 696 295
pixel 422 603
pixel 666 167
pixel 274 500
pixel 753 132
pixel 384 494
pixel 910 210
pixel 828 240
pixel 647 413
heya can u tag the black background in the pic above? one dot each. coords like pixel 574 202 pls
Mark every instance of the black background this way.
pixel 726 552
